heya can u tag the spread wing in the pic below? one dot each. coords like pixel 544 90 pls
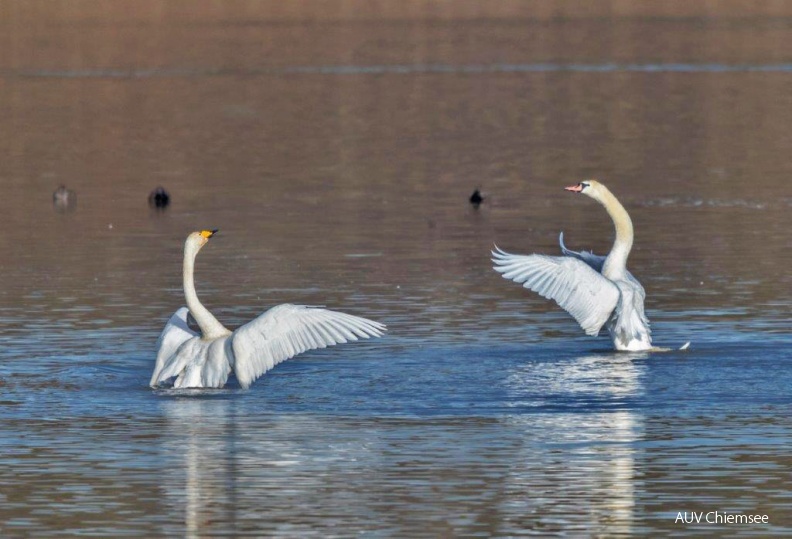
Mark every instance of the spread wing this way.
pixel 595 261
pixel 580 290
pixel 176 332
pixel 287 330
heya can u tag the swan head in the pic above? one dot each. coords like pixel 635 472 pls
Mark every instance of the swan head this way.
pixel 196 240
pixel 591 188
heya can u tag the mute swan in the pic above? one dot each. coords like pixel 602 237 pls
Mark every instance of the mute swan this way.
pixel 206 359
pixel 595 290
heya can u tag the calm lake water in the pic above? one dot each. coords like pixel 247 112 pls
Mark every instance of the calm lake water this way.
pixel 335 145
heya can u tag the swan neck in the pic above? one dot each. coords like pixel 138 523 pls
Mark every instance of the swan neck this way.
pixel 211 328
pixel 616 263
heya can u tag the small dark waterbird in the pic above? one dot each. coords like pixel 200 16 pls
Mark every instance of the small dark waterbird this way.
pixel 476 198
pixel 159 198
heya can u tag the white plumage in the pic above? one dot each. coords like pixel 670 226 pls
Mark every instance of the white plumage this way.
pixel 596 290
pixel 582 292
pixel 287 330
pixel 206 359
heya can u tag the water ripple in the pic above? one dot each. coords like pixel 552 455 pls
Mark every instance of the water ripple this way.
pixel 396 69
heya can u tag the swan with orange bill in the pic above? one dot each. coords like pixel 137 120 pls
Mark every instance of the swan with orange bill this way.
pixel 205 359
pixel 596 290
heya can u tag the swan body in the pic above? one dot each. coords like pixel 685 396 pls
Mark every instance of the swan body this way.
pixel 205 359
pixel 596 290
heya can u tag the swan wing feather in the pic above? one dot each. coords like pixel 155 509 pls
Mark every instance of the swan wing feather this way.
pixel 595 261
pixel 202 363
pixel 175 334
pixel 287 330
pixel 630 322
pixel 577 288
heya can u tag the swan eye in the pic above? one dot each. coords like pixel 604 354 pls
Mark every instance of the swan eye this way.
pixel 583 185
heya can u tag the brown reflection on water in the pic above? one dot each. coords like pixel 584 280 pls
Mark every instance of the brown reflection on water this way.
pixel 300 170
pixel 349 189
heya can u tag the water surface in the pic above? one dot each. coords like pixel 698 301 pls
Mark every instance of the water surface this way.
pixel 335 148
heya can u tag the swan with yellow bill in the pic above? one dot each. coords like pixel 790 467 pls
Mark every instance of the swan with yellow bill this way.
pixel 205 359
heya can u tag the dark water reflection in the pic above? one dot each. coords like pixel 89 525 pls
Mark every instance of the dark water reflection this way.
pixel 335 147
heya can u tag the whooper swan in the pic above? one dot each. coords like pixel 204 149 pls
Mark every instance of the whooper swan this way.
pixel 206 359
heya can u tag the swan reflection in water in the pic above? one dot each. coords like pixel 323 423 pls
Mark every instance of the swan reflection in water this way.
pixel 578 466
pixel 237 472
pixel 563 457
pixel 202 444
